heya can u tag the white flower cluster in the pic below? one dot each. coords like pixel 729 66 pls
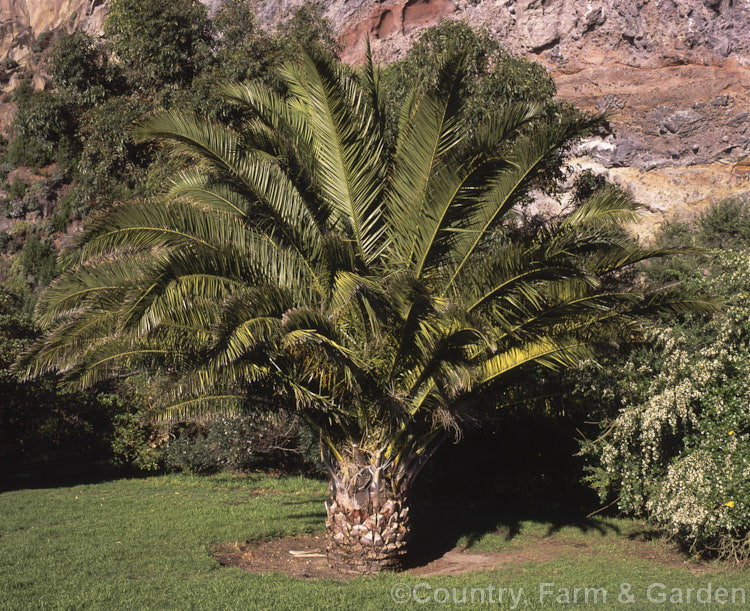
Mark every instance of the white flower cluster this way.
pixel 679 450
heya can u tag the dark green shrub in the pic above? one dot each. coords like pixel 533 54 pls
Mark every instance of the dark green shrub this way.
pixel 17 188
pixel 586 184
pixel 58 223
pixel 43 129
pixel 243 51
pixel 38 425
pixel 111 166
pixel 79 69
pixel 136 442
pixel 159 43
pixel 38 261
pixel 240 443
pixel 76 203
pixel 9 64
pixel 37 196
pixel 499 77
pixel 307 27
pixel 5 167
pixel 42 41
pixel 725 225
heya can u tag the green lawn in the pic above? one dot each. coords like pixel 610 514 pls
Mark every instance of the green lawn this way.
pixel 148 543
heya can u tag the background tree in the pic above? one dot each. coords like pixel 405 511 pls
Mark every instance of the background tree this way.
pixel 159 43
pixel 43 129
pixel 386 298
pixel 80 70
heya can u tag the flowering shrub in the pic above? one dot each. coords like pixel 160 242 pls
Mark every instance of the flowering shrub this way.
pixel 676 445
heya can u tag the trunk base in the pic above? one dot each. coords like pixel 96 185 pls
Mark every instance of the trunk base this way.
pixel 366 544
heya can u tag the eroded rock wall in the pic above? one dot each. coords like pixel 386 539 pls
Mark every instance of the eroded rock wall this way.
pixel 28 26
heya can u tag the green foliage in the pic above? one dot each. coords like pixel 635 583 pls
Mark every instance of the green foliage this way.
pixel 42 41
pixel 111 166
pixel 58 223
pixel 17 188
pixel 307 28
pixel 16 331
pixel 9 64
pixel 384 297
pixel 41 426
pixel 159 43
pixel 586 184
pixel 38 261
pixel 74 205
pixel 676 443
pixel 136 442
pixel 42 126
pixel 37 424
pixel 80 69
pixel 243 443
pixel 496 78
pixel 243 51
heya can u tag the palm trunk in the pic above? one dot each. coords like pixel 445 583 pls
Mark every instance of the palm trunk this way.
pixel 368 514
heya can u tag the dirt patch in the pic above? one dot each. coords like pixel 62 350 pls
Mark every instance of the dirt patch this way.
pixel 278 556
pixel 303 557
pixel 459 560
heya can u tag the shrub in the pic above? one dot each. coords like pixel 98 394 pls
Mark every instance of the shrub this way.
pixel 42 41
pixel 37 196
pixel 111 166
pixel 498 79
pixel 9 64
pixel 41 426
pixel 38 261
pixel 160 44
pixel 676 433
pixel 16 209
pixel 17 188
pixel 243 442
pixel 79 69
pixel 243 51
pixel 136 441
pixel 42 126
pixel 307 27
pixel 58 223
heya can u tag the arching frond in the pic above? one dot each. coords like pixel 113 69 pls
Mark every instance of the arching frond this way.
pixel 383 288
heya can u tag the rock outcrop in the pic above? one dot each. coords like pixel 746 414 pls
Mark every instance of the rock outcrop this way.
pixel 27 27
pixel 673 74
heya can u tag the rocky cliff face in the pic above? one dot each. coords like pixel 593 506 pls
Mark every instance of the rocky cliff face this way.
pixel 673 74
pixel 28 26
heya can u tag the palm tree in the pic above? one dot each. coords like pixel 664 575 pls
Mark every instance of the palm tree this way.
pixel 384 290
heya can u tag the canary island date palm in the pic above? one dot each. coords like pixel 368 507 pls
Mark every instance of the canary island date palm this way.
pixel 379 288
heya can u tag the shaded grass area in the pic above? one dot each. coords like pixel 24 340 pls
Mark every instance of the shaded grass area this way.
pixel 149 543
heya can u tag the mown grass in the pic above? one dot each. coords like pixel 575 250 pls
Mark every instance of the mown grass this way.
pixel 148 544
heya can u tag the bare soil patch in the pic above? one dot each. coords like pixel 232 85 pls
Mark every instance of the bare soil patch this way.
pixel 303 557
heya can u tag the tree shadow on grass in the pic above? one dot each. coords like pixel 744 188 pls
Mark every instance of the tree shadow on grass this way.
pixel 441 527
pixel 26 477
pixel 494 481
